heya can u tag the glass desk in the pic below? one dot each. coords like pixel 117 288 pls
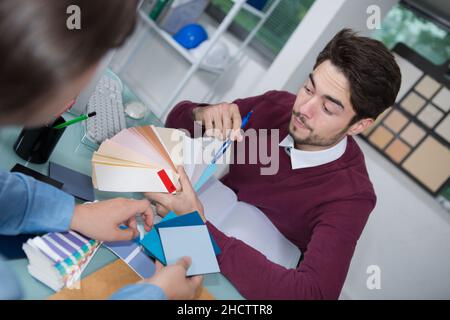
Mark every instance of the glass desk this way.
pixel 71 153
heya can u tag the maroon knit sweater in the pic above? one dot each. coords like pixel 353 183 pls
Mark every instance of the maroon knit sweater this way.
pixel 321 209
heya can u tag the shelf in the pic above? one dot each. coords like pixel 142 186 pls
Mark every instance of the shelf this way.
pixel 169 39
pixel 252 10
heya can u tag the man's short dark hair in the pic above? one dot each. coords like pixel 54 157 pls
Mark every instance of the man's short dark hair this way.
pixel 370 69
pixel 39 53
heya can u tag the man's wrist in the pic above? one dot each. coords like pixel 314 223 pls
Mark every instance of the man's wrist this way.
pixel 75 223
pixel 194 113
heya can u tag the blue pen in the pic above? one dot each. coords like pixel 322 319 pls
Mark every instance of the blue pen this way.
pixel 212 167
pixel 227 143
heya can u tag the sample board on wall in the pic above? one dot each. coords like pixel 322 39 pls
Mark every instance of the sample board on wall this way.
pixel 414 134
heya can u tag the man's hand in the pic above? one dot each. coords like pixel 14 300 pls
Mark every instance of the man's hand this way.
pixel 173 281
pixel 220 119
pixel 184 201
pixel 101 220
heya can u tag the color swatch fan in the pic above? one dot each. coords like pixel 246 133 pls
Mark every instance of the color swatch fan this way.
pixel 139 159
pixel 57 259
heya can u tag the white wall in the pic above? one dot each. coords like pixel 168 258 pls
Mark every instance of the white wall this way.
pixel 407 236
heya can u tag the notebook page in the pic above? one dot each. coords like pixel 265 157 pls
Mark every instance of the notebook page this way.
pixel 246 223
pixel 218 200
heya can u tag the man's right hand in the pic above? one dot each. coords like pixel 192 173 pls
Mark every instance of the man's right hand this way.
pixel 173 281
pixel 219 120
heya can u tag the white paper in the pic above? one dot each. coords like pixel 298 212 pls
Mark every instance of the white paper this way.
pixel 246 223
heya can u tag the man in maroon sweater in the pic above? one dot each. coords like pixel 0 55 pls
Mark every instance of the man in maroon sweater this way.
pixel 321 196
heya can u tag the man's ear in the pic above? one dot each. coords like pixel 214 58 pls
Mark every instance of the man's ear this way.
pixel 359 126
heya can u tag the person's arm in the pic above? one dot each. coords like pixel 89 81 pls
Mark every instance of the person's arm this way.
pixel 320 275
pixel 168 282
pixel 30 206
pixel 182 115
pixel 139 291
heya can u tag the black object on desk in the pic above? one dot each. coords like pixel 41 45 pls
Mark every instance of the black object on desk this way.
pixel 11 246
pixel 36 144
pixel 38 176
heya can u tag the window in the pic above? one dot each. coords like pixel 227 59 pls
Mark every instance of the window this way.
pixel 420 34
pixel 275 32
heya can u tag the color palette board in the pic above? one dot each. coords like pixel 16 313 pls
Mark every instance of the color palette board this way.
pixel 415 133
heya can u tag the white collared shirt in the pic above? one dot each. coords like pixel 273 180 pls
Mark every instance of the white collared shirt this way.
pixel 306 159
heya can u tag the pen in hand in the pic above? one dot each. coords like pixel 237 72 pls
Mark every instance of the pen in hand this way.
pixel 227 143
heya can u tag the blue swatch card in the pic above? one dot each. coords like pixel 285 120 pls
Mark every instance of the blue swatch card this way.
pixel 132 254
pixel 152 243
pixel 192 241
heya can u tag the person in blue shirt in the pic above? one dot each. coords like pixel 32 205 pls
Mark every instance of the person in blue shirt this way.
pixel 45 62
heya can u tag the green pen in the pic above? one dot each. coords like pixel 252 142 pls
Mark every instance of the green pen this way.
pixel 78 119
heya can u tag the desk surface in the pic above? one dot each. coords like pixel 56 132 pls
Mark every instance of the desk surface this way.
pixel 72 153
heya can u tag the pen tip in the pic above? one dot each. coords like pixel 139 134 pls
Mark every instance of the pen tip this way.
pixel 91 114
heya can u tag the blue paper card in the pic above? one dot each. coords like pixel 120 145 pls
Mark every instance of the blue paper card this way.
pixel 132 254
pixel 191 219
pixel 74 183
pixel 192 241
pixel 152 242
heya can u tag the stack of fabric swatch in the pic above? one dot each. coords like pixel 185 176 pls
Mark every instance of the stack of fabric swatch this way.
pixel 57 259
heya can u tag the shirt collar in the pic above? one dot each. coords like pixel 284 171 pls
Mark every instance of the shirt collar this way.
pixel 304 159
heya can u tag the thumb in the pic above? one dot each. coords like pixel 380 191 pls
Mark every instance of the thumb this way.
pixel 158 266
pixel 131 207
pixel 196 284
pixel 125 234
pixel 196 281
pixel 184 179
pixel 185 262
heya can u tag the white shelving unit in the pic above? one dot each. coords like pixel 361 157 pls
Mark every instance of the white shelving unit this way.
pixel 196 63
pixel 171 41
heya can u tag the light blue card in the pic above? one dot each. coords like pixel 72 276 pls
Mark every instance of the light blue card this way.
pixel 207 173
pixel 191 241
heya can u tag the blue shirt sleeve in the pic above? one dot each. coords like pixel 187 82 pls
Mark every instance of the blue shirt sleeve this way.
pixel 139 291
pixel 31 206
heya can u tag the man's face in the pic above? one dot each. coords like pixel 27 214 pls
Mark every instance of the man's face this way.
pixel 322 111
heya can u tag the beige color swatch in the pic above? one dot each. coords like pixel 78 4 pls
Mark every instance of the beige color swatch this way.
pixel 413 103
pixel 398 150
pixel 412 134
pixel 427 86
pixel 429 163
pixel 101 284
pixel 395 121
pixel 443 129
pixel 430 115
pixel 442 99
pixel 381 137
